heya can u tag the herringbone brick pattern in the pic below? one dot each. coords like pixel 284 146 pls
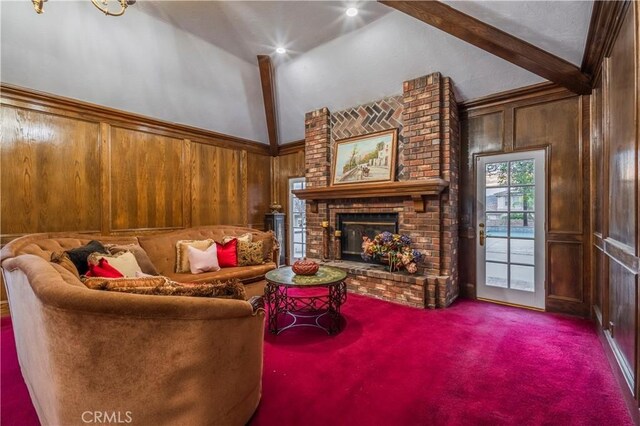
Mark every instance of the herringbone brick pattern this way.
pixel 376 116
pixel 373 117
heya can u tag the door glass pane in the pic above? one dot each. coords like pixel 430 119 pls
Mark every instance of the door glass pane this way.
pixel 496 224
pixel 522 277
pixel 522 225
pixel 522 172
pixel 496 274
pixel 522 198
pixel 497 199
pixel 496 249
pixel 522 251
pixel 496 174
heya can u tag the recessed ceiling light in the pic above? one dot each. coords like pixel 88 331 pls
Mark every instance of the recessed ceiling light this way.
pixel 281 50
pixel 352 11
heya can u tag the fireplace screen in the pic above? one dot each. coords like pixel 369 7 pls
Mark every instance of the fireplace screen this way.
pixel 354 226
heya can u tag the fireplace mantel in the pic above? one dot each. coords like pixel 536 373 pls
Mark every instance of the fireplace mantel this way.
pixel 417 190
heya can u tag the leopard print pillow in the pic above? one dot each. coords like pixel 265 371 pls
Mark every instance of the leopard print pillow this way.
pixel 250 253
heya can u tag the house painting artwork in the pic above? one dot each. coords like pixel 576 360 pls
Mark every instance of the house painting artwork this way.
pixel 369 158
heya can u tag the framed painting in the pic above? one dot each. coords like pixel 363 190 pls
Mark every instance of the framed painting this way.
pixel 364 159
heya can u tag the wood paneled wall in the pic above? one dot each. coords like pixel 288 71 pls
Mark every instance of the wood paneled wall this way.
pixel 542 117
pixel 72 166
pixel 288 164
pixel 615 253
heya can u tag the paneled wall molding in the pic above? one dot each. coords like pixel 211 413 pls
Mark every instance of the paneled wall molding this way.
pixel 36 100
pixel 623 254
pixel 103 171
pixel 606 20
pixel 538 117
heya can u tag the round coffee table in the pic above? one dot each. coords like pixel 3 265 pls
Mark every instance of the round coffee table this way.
pixel 306 310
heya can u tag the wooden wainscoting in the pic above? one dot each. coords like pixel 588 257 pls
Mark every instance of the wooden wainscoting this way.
pixel 288 164
pixel 615 226
pixel 548 117
pixel 67 165
pixel 72 166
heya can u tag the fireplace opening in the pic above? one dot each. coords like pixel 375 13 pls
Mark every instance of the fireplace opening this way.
pixel 354 226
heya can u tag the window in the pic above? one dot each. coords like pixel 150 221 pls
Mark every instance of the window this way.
pixel 297 222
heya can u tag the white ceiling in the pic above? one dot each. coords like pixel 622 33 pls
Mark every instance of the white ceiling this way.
pixel 195 62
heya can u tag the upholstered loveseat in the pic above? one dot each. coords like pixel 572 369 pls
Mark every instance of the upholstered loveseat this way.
pixel 152 359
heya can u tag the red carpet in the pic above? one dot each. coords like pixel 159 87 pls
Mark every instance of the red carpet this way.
pixel 473 364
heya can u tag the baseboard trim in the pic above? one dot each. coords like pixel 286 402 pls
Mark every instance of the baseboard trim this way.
pixel 513 305
pixel 632 404
pixel 4 308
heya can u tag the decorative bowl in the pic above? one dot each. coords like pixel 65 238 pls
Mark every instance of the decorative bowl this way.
pixel 305 267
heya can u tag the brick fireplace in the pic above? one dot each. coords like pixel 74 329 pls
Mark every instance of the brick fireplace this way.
pixel 424 195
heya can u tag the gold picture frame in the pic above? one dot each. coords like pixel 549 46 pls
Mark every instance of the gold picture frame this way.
pixel 365 159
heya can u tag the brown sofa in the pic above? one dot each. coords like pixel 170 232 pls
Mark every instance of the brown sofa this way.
pixel 153 359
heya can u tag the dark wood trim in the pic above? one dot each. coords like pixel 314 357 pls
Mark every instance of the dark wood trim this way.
pixel 417 190
pixel 606 19
pixel 496 42
pixel 619 375
pixel 268 82
pixel 22 97
pixel 291 147
pixel 509 96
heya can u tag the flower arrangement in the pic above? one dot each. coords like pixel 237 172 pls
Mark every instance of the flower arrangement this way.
pixel 395 249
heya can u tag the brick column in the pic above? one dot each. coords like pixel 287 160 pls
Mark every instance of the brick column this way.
pixel 317 135
pixel 450 129
pixel 421 120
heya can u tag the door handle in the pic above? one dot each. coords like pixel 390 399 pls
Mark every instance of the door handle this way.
pixel 481 234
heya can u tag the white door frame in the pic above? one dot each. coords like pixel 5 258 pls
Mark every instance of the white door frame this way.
pixel 292 225
pixel 535 299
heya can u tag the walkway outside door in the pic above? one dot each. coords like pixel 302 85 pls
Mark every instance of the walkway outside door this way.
pixel 510 244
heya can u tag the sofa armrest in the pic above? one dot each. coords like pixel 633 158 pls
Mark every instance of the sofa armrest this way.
pixel 257 302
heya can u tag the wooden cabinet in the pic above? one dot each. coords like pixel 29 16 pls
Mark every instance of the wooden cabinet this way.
pixel 276 222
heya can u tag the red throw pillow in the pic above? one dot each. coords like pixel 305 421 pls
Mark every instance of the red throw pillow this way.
pixel 103 270
pixel 228 254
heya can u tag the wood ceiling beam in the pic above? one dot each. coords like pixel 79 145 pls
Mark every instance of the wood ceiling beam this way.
pixel 606 19
pixel 496 42
pixel 268 81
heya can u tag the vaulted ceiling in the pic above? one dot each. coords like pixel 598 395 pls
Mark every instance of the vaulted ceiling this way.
pixel 195 62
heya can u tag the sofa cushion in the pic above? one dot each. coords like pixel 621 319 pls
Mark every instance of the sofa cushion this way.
pixel 182 259
pixel 203 260
pixel 269 244
pixel 125 262
pixel 146 265
pixel 250 253
pixel 80 254
pixel 228 254
pixel 246 237
pixel 242 273
pixel 62 259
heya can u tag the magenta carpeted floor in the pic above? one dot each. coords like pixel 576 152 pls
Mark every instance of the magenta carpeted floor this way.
pixel 474 363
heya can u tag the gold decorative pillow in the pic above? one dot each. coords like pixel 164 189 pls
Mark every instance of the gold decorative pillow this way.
pixel 63 259
pixel 99 283
pixel 250 253
pixel 269 244
pixel 125 262
pixel 182 259
pixel 232 289
pixel 245 238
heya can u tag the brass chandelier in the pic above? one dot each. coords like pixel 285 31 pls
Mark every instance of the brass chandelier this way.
pixel 102 5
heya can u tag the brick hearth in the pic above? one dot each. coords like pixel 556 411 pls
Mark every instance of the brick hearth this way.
pixel 428 147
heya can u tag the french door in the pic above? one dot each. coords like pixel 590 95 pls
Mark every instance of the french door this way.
pixel 510 246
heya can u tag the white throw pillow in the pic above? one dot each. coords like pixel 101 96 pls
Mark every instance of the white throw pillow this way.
pixel 125 262
pixel 203 260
